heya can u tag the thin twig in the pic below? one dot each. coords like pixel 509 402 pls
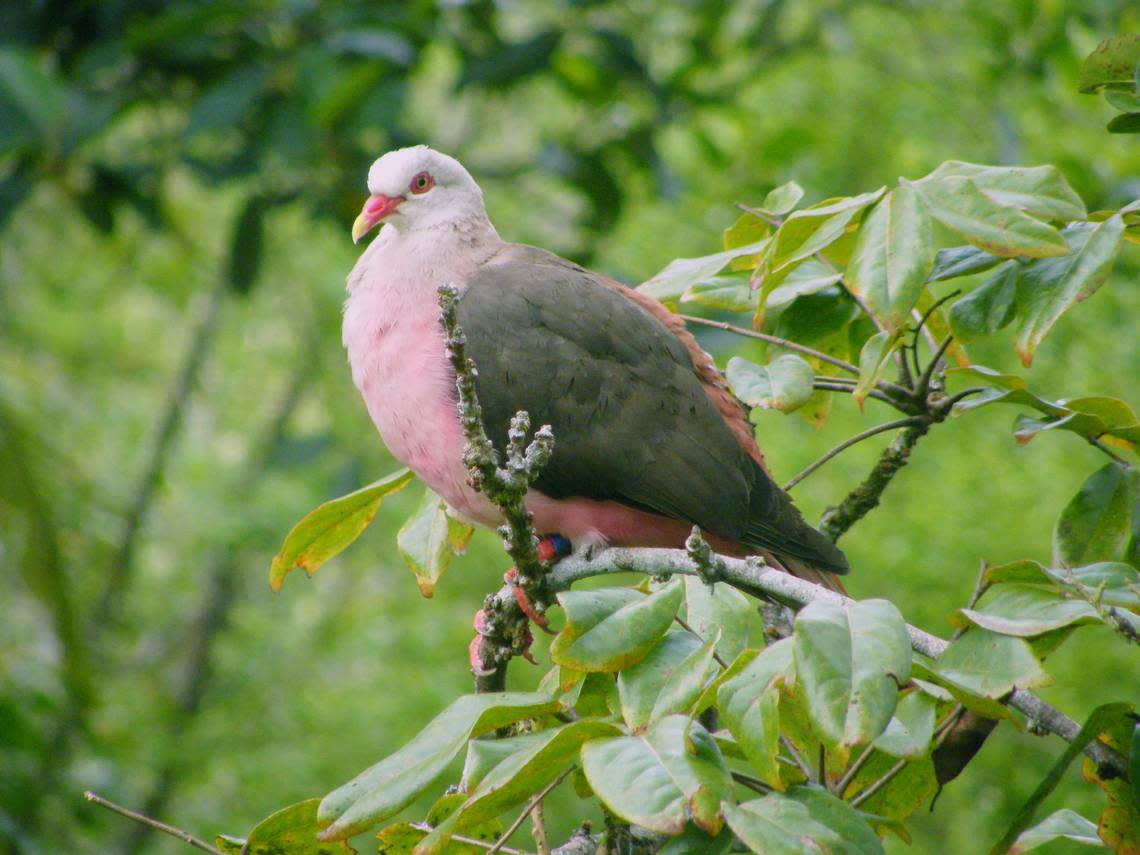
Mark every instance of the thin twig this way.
pixel 184 836
pixel 538 830
pixel 685 626
pixel 828 386
pixel 774 222
pixel 514 826
pixel 922 387
pixel 771 339
pixel 1096 443
pixel 470 841
pixel 822 780
pixel 843 446
pixel 980 587
pixel 796 758
pixel 852 771
pixel 879 784
pixel 751 782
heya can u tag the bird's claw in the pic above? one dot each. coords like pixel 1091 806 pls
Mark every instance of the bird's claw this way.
pixel 528 606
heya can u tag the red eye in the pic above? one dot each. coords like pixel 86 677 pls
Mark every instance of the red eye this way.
pixel 422 183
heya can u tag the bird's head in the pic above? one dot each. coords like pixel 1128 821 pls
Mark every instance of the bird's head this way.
pixel 418 188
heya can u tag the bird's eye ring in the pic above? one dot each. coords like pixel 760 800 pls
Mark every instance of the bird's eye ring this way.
pixel 422 183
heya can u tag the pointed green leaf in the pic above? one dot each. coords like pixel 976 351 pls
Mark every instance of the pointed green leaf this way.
pixel 483 755
pixel 754 722
pixel 802 821
pixel 719 608
pixel 1026 610
pixel 989 307
pixel 990 664
pixel 810 277
pixel 728 293
pixel 518 777
pixel 686 681
pixel 783 384
pixel 960 205
pixel 850 661
pixel 968 697
pixel 386 788
pixel 291 829
pixel 961 261
pixel 599 640
pixel 326 531
pixel 429 539
pixel 1040 191
pixel 904 794
pixel 911 728
pixel 1112 64
pixel 681 274
pixel 1097 522
pixel 656 780
pixel 1125 123
pixel 893 256
pixel 783 199
pixel 1050 287
pixel 1063 824
pixel 874 358
pixel 640 685
pixel 748 229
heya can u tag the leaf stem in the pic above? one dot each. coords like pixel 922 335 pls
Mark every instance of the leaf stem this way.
pixel 1096 443
pixel 514 826
pixel 796 758
pixel 685 626
pixel 184 836
pixel 879 784
pixel 776 340
pixel 751 782
pixel 843 446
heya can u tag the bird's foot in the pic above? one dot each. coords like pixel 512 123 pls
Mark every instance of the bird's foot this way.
pixel 551 548
pixel 485 631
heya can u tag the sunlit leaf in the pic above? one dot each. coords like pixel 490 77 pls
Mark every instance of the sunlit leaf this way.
pixel 1040 191
pixel 748 703
pixel 801 821
pixel 990 664
pixel 672 773
pixel 783 384
pixel 783 199
pixel 324 532
pixel 608 634
pixel 681 274
pixel 893 256
pixel 874 359
pixel 719 608
pixel 1063 824
pixel 292 829
pixel 386 788
pixel 640 685
pixel 429 539
pixel 1112 64
pixel 1026 610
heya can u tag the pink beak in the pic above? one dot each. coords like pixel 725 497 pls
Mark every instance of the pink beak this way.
pixel 375 209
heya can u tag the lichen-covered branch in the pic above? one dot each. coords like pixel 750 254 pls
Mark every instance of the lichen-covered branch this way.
pixel 502 625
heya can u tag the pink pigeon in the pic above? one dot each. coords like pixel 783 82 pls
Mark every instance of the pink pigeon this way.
pixel 648 439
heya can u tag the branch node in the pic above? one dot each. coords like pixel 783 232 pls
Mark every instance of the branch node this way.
pixel 710 566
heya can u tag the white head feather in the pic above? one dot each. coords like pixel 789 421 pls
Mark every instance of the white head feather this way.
pixel 452 199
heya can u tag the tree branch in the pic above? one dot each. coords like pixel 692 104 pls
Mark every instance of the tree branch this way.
pixel 753 577
pixel 771 339
pixel 843 446
pixel 146 821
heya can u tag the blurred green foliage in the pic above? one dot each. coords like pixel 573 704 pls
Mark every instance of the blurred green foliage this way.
pixel 177 181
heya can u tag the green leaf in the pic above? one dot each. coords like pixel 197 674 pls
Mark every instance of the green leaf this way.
pixel 802 821
pixel 292 829
pixel 728 293
pixel 1026 610
pixel 1048 288
pixel 1112 64
pixel 40 98
pixel 748 229
pixel 694 841
pixel 1125 123
pixel 429 539
pixel 783 199
pixel 1007 389
pixel 230 101
pixel 968 697
pixel 1113 583
pixel 640 685
pixel 672 773
pixel 518 777
pixel 485 754
pixel 605 632
pixel 387 787
pixel 325 531
pixel 719 608
pixel 960 205
pixel 783 384
pixel 1097 521
pixel 990 664
pixel 1040 191
pixel 911 728
pixel 873 361
pixel 748 703
pixel 961 261
pixel 1063 824
pixel 685 682
pixel 681 274
pixel 893 256
pixel 1102 718
pixel 989 307
pixel 851 659
pixel 810 277
pixel 908 791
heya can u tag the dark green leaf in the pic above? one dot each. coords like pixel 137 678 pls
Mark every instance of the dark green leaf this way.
pixel 386 788
pixel 1125 123
pixel 1048 288
pixel 429 539
pixel 1096 523
pixel 694 841
pixel 802 821
pixel 850 661
pixel 230 101
pixel 893 256
pixel 600 637
pixel 961 261
pixel 324 532
pixel 1102 718
pixel 989 307
pixel 247 246
pixel 670 774
pixel 783 384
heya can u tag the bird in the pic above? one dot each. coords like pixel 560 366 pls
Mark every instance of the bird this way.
pixel 648 439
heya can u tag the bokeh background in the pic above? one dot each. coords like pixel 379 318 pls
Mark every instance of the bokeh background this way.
pixel 177 182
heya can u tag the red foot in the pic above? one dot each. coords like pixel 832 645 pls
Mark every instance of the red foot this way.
pixel 525 602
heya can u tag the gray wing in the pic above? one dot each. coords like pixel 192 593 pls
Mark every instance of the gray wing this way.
pixel 632 422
